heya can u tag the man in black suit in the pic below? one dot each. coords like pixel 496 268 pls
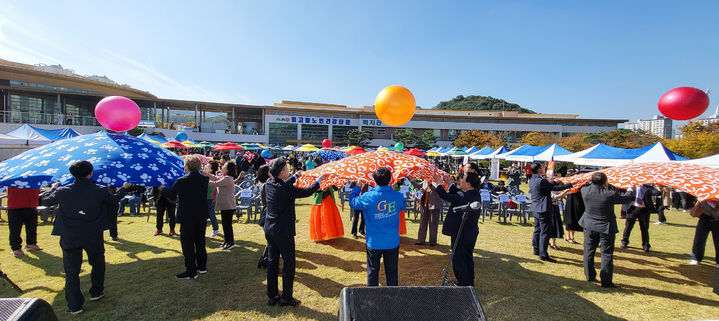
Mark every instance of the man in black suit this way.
pixel 600 225
pixel 640 210
pixel 541 190
pixel 281 193
pixel 450 227
pixel 80 221
pixel 191 193
pixel 462 262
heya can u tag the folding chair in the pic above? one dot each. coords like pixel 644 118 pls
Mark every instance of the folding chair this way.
pixel 503 201
pixel 488 207
pixel 521 210
pixel 244 200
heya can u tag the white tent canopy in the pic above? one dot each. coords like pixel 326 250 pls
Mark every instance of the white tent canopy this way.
pixel 711 161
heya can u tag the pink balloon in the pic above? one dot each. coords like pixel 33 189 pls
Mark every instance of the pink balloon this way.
pixel 117 113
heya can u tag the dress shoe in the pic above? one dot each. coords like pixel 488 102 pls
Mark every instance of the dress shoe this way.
pixel 432 244
pixel 273 301
pixel 33 247
pixel 291 302
pixel 548 259
pixel 610 285
pixel 593 281
pixel 536 252
pixel 646 248
pixel 419 243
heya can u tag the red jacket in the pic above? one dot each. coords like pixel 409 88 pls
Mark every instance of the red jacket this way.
pixel 22 197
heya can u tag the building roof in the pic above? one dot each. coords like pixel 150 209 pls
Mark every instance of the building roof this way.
pixel 65 78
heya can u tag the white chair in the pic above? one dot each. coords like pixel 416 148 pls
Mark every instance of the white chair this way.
pixel 244 202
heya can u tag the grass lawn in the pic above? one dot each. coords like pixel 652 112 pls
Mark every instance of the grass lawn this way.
pixel 511 282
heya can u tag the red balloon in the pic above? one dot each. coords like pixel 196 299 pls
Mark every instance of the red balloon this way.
pixel 326 143
pixel 683 103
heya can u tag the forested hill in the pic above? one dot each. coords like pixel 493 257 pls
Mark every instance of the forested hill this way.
pixel 486 103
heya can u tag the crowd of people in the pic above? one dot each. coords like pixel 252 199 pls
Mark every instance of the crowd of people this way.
pixel 85 209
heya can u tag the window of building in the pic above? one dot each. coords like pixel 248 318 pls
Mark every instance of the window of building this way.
pixel 339 134
pixel 33 110
pixel 437 133
pixel 314 134
pixel 381 131
pixel 282 133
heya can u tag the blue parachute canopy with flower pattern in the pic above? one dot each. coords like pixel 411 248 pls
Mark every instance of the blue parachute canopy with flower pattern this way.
pixel 326 155
pixel 116 159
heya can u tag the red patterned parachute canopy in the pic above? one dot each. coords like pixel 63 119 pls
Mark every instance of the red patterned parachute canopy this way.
pixel 700 181
pixel 360 168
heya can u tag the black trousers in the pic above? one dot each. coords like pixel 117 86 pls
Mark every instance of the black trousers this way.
pixel 540 238
pixel 192 238
pixel 660 212
pixel 72 248
pixel 162 208
pixel 18 217
pixel 280 246
pixel 357 215
pixel 462 261
pixel 391 266
pixel 112 215
pixel 641 215
pixel 227 231
pixel 705 225
pixel 606 243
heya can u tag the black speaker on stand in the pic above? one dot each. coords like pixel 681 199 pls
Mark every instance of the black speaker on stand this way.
pixel 19 309
pixel 415 303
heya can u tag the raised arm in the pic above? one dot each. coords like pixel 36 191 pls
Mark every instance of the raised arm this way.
pixel 449 197
pixel 356 201
pixel 49 197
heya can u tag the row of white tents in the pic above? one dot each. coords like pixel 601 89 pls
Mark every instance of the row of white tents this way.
pixel 597 155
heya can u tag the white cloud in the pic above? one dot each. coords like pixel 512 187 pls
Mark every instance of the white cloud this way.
pixel 30 43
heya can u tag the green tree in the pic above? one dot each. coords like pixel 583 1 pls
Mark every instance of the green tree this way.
pixel 427 140
pixel 575 143
pixel 697 140
pixel 405 136
pixel 480 139
pixel 137 131
pixel 486 103
pixel 356 137
pixel 539 139
pixel 623 138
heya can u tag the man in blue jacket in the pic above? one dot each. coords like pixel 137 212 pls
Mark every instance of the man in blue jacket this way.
pixel 381 208
pixel 80 221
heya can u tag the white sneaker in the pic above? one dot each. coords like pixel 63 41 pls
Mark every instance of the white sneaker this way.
pixel 693 262
pixel 659 223
pixel 214 233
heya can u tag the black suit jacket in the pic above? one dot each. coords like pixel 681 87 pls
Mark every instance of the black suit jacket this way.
pixel 599 208
pixel 450 227
pixel 459 199
pixel 280 196
pixel 191 193
pixel 541 190
pixel 648 201
pixel 82 208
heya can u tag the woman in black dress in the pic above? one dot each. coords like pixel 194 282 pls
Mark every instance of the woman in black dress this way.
pixel 573 211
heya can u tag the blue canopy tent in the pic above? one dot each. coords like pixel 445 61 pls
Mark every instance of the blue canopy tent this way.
pixel 31 133
pixel 529 153
pixel 481 152
pixel 604 155
pixel 471 150
pixel 158 138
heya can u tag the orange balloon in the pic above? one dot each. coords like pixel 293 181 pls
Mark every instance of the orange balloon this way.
pixel 394 105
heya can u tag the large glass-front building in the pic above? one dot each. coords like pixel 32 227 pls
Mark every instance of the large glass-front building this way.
pixel 52 96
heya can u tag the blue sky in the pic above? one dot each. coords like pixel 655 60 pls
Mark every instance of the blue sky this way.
pixel 599 59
